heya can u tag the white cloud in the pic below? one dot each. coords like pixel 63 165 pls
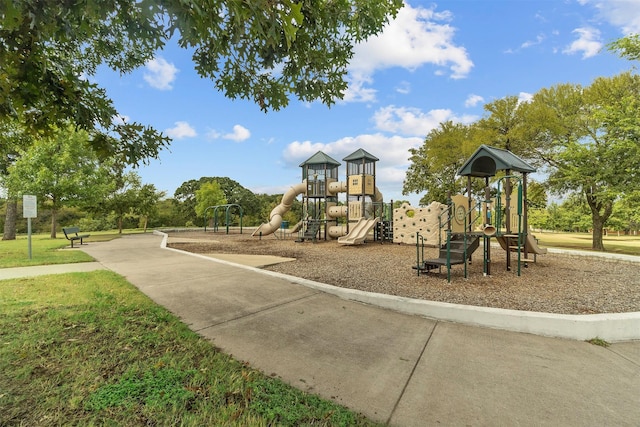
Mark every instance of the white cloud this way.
pixel 213 134
pixel 393 151
pixel 588 42
pixel 181 130
pixel 404 88
pixel 160 74
pixel 525 97
pixel 356 92
pixel 417 36
pixel 239 134
pixel 413 121
pixel 411 126
pixel 624 14
pixel 473 100
pixel 539 39
pixel 527 44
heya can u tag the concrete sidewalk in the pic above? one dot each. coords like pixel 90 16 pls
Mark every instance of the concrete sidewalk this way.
pixel 396 368
pixel 41 270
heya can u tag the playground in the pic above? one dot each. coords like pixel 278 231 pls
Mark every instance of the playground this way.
pixel 556 283
pixel 477 249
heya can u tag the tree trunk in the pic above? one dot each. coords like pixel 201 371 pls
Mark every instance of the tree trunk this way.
pixel 146 222
pixel 120 225
pixel 54 222
pixel 10 220
pixel 600 213
pixel 598 226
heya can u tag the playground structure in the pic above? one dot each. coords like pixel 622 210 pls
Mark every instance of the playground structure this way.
pixel 409 222
pixel 456 228
pixel 464 221
pixel 227 216
pixel 322 214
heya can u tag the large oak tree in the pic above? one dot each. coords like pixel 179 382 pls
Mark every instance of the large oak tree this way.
pixel 263 50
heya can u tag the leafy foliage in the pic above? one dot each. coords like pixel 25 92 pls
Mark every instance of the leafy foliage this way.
pixel 89 349
pixel 261 50
pixel 627 47
pixel 593 147
pixel 185 198
pixel 434 165
pixel 587 139
pixel 60 170
pixel 209 194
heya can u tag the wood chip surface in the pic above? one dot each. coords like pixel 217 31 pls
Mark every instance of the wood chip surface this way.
pixel 565 284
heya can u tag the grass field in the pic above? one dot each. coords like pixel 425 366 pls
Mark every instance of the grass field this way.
pixel 45 250
pixel 90 349
pixel 629 245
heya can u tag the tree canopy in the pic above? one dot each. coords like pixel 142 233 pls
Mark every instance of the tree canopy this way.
pixel 587 140
pixel 627 47
pixel 263 50
pixel 61 170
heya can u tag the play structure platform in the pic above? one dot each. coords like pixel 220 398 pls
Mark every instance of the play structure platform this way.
pixel 457 250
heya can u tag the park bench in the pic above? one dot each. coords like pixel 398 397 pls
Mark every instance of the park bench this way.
pixel 71 233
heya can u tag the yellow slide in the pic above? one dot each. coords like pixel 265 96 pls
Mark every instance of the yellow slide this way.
pixel 359 232
pixel 275 217
pixel 530 245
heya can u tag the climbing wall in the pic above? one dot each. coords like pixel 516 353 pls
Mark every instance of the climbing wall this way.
pixel 407 221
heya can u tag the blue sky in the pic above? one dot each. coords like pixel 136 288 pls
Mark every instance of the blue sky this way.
pixel 437 61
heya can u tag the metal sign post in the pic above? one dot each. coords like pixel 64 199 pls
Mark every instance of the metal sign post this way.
pixel 29 210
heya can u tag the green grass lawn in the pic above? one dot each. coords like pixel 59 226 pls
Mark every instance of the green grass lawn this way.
pixel 45 250
pixel 629 245
pixel 90 349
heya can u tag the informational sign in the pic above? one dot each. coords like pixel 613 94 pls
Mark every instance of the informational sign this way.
pixel 29 206
pixel 29 210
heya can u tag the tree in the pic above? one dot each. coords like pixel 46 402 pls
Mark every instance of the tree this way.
pixel 626 215
pixel 434 164
pixel 61 170
pixel 185 197
pixel 209 194
pixel 123 195
pixel 505 126
pixel 536 195
pixel 591 137
pixel 237 194
pixel 627 47
pixel 147 203
pixel 12 136
pixel 262 50
pixel 166 215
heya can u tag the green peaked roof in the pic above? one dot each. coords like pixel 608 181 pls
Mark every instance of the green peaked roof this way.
pixel 320 159
pixel 359 155
pixel 486 161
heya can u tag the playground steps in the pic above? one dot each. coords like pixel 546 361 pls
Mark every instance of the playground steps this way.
pixel 383 231
pixel 514 247
pixel 456 253
pixel 311 233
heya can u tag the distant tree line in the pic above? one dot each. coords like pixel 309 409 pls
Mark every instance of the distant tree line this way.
pixel 74 187
pixel 585 141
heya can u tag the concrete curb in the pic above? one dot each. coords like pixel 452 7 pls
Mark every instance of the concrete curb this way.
pixel 612 327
